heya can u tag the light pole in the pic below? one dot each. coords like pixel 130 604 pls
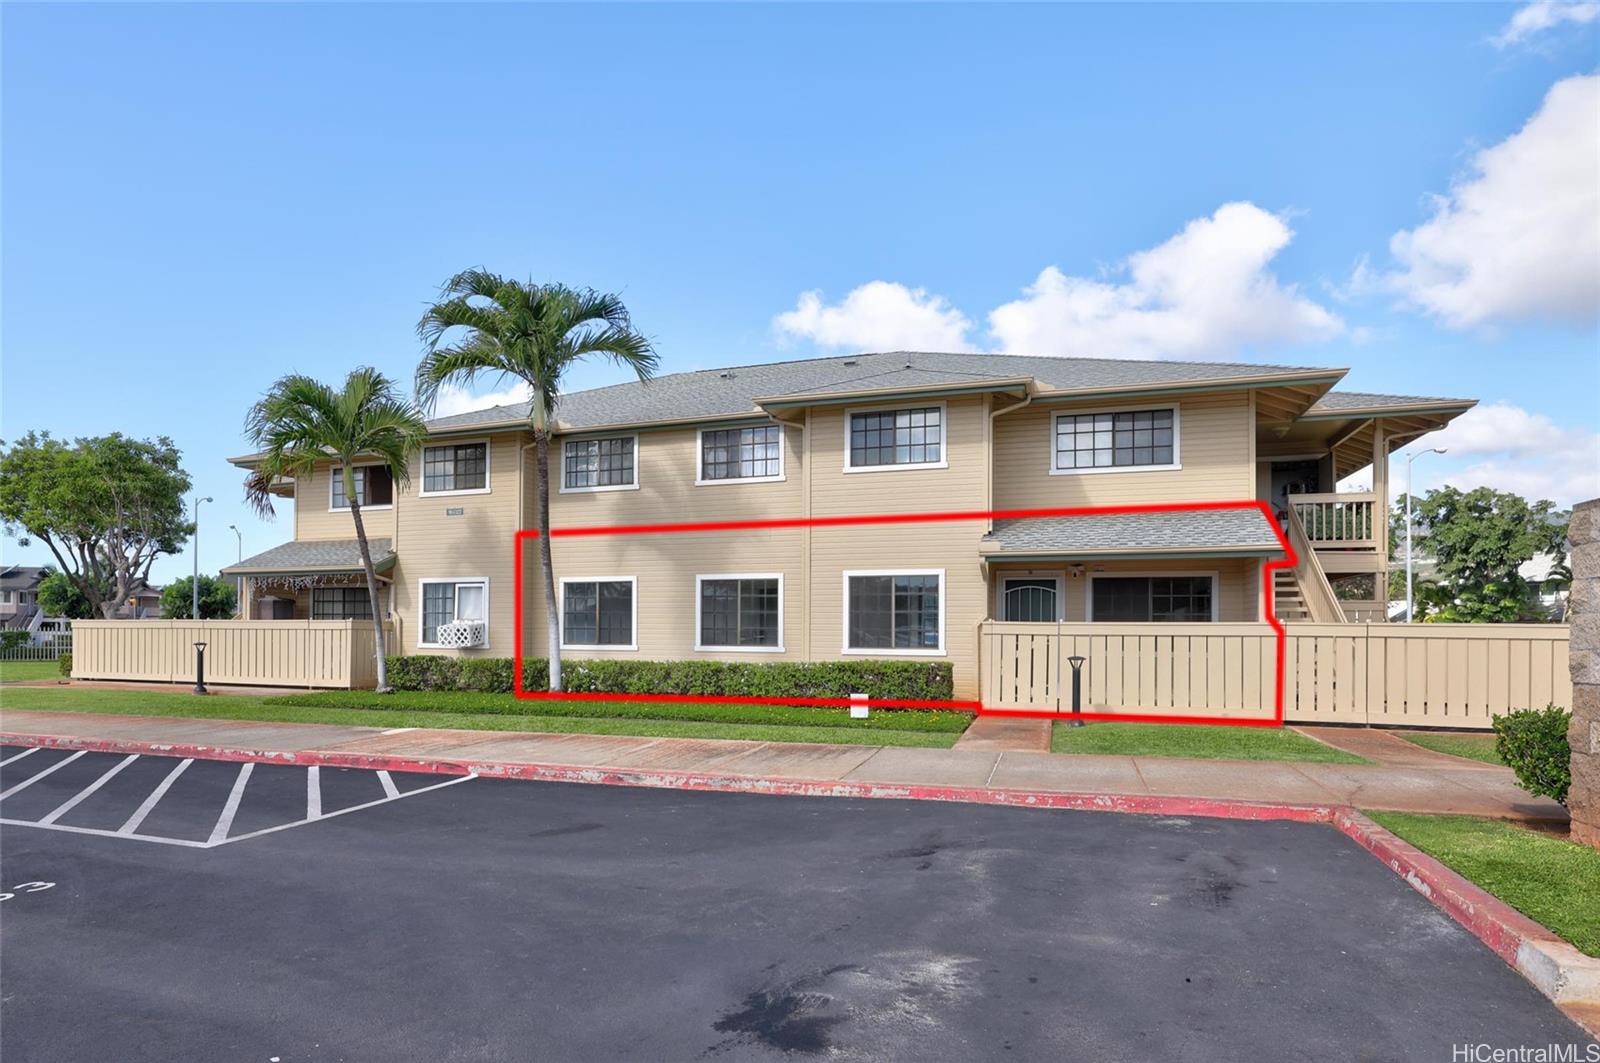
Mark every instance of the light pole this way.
pixel 195 586
pixel 238 583
pixel 1410 608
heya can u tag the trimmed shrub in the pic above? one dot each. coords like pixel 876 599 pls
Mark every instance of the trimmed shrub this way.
pixel 896 680
pixel 1533 743
pixel 12 641
pixel 64 664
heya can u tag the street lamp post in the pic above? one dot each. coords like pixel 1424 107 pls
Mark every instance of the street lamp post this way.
pixel 1410 606
pixel 238 583
pixel 195 586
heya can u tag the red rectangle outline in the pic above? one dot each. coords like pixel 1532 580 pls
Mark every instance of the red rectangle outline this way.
pixel 1267 568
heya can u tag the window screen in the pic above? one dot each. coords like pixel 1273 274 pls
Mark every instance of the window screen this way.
pixel 597 613
pixel 739 612
pixel 1110 440
pixel 458 467
pixel 893 612
pixel 374 486
pixel 340 603
pixel 599 463
pixel 897 437
pixel 1161 599
pixel 741 453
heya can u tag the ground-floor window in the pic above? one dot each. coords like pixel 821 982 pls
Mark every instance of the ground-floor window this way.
pixel 1030 599
pixel 889 612
pixel 598 613
pixel 740 612
pixel 1152 598
pixel 444 601
pixel 340 603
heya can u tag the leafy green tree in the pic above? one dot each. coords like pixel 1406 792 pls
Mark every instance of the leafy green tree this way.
pixel 1477 540
pixel 301 422
pixel 105 506
pixel 59 596
pixel 216 599
pixel 534 333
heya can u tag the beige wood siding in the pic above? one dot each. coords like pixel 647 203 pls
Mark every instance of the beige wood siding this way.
pixel 431 543
pixel 315 521
pixel 1214 440
pixel 667 462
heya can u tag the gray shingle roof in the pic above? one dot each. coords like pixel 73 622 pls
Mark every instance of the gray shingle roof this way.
pixel 331 555
pixel 21 577
pixel 1244 530
pixel 1334 401
pixel 723 392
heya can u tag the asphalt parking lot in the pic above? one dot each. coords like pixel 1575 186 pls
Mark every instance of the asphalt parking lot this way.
pixel 276 913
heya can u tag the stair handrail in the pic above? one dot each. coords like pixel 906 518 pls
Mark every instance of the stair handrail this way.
pixel 1315 590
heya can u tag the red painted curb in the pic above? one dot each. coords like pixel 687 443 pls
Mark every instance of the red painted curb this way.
pixel 1487 917
pixel 710 781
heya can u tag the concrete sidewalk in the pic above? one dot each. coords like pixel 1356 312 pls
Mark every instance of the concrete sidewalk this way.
pixel 1454 787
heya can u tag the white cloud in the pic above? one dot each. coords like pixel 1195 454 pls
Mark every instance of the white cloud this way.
pixel 1510 449
pixel 1537 17
pixel 453 399
pixel 1205 292
pixel 1518 237
pixel 879 315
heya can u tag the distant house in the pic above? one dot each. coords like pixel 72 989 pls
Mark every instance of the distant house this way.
pixel 141 605
pixel 19 595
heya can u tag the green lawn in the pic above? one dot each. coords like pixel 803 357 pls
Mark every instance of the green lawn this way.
pixel 26 671
pixel 1473 747
pixel 1548 879
pixel 1199 741
pixel 690 720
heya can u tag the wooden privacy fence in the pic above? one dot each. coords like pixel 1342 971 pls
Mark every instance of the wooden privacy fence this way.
pixel 1428 675
pixel 291 653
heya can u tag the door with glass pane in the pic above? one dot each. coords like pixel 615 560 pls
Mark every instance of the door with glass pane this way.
pixel 1030 599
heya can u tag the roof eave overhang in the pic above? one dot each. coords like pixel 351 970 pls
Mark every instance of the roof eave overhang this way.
pixel 1367 413
pixel 1325 379
pixel 991 552
pixel 381 565
pixel 1021 384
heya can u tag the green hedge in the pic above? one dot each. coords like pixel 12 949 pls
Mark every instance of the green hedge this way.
pixel 898 680
pixel 1533 743
pixel 64 665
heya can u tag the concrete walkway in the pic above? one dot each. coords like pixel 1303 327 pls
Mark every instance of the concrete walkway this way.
pixel 1471 789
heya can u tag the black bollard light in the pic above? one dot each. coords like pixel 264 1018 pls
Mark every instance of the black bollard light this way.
pixel 199 668
pixel 1077 688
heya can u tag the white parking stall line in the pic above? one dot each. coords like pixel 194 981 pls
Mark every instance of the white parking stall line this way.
pixel 231 809
pixel 30 780
pixel 388 784
pixel 104 833
pixel 342 811
pixel 155 795
pixel 19 756
pixel 313 793
pixel 84 794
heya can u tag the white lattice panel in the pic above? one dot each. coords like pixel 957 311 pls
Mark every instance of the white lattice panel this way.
pixel 463 634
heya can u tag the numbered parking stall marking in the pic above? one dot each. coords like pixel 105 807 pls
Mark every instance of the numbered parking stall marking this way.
pixel 26 887
pixel 196 804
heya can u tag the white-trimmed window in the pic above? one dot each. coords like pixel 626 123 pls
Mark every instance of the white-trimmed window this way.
pixel 899 612
pixel 605 464
pixel 456 468
pixel 341 603
pixel 1164 598
pixel 1115 440
pixel 599 613
pixel 374 487
pixel 739 612
pixel 445 601
pixel 748 454
pixel 1030 599
pixel 907 437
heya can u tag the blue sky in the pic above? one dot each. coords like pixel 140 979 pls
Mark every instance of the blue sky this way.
pixel 199 198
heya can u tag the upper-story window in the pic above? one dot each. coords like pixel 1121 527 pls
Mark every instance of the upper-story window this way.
pixel 751 453
pixel 455 468
pixel 374 487
pixel 607 464
pixel 902 438
pixel 1116 439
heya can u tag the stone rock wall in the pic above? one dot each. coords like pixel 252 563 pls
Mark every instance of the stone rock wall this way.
pixel 1584 736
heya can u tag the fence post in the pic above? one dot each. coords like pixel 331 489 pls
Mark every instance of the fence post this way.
pixel 1583 735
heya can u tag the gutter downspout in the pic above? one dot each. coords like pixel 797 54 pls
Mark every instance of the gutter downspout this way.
pixel 988 500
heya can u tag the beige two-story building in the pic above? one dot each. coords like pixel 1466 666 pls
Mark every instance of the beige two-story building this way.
pixel 868 434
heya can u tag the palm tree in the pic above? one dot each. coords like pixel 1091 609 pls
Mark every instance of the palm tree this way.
pixel 301 421
pixel 533 332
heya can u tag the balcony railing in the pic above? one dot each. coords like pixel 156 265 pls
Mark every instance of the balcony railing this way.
pixel 1351 521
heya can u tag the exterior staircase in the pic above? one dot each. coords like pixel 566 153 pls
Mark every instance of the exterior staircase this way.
pixel 1287 601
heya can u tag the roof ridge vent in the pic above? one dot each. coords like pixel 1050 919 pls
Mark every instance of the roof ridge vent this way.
pixel 851 361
